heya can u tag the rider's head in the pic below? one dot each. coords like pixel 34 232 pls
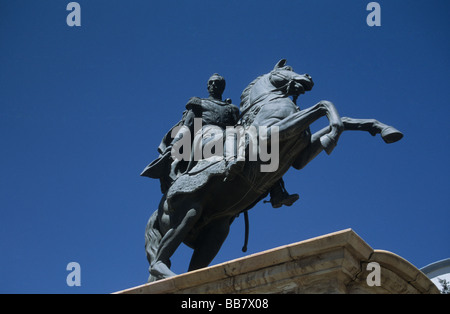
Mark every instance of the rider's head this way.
pixel 216 86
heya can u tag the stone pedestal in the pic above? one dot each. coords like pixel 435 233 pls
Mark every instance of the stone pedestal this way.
pixel 333 263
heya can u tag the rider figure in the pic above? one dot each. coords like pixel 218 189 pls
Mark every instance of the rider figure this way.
pixel 214 112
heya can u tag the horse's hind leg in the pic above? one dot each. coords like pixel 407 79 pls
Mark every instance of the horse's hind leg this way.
pixel 208 243
pixel 152 240
pixel 183 222
pixel 388 133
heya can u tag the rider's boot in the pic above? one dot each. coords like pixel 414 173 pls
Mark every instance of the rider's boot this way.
pixel 279 196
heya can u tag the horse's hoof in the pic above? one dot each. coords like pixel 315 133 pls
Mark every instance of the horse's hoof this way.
pixel 391 135
pixel 159 271
pixel 328 143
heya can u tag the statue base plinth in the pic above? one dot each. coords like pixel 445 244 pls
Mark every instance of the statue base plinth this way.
pixel 333 263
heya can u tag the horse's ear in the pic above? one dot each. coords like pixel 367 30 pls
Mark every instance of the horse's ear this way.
pixel 280 64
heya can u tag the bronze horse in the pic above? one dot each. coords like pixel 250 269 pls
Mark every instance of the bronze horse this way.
pixel 200 206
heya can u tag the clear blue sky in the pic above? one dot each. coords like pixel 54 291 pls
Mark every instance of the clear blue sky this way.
pixel 82 110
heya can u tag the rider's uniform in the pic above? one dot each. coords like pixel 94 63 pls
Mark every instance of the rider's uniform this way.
pixel 215 116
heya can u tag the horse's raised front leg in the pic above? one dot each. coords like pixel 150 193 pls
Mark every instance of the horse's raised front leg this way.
pixel 298 122
pixel 388 133
pixel 329 140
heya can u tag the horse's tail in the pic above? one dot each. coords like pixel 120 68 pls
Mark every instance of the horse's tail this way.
pixel 152 237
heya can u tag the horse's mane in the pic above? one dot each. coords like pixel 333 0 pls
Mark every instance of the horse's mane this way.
pixel 245 96
pixel 247 115
pixel 247 112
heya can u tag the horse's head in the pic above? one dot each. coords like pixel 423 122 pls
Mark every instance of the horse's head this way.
pixel 282 80
pixel 285 79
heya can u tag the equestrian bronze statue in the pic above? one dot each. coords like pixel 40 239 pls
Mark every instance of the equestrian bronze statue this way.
pixel 233 159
